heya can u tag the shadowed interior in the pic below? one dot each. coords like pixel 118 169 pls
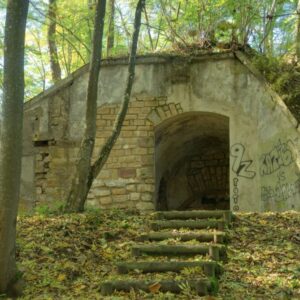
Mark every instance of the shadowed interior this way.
pixel 192 162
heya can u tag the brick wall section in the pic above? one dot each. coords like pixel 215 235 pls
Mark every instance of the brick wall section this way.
pixel 127 179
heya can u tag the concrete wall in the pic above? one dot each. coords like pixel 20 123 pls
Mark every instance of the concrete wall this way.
pixel 263 138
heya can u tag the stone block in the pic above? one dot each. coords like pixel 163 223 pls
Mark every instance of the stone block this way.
pixel 142 133
pixel 135 196
pixel 150 180
pixel 105 200
pixel 100 123
pixel 131 117
pixel 145 172
pixel 150 103
pixel 103 110
pixel 127 172
pixel 139 122
pixel 108 117
pixel 153 117
pixel 103 133
pixel 134 110
pixel 146 197
pixel 145 188
pixel 118 191
pixel 98 183
pixel 115 183
pixel 105 174
pixel 101 192
pixel 127 133
pixel 140 151
pixel 147 160
pixel 120 198
pixel 146 142
pixel 131 187
pixel 145 206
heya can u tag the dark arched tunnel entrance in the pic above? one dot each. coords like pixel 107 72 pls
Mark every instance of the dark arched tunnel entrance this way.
pixel 192 162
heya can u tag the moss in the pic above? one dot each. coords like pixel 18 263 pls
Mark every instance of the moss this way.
pixel 284 76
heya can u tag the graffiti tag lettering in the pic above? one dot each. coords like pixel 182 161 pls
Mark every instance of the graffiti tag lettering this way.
pixel 240 166
pixel 235 194
pixel 282 191
pixel 280 156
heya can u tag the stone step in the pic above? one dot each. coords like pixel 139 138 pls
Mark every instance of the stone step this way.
pixel 209 268
pixel 215 251
pixel 195 214
pixel 216 237
pixel 190 224
pixel 202 287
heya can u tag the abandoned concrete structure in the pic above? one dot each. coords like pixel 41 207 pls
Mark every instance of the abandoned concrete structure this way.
pixel 201 132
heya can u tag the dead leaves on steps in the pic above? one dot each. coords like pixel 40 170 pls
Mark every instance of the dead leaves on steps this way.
pixel 67 257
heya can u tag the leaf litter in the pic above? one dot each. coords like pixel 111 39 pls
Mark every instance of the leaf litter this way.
pixel 69 256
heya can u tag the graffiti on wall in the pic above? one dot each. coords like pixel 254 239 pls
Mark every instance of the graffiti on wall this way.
pixel 281 155
pixel 241 167
pixel 282 191
pixel 235 195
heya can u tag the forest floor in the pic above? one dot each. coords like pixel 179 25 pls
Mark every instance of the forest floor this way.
pixel 68 256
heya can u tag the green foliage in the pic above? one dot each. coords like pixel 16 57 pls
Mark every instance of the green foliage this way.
pixel 167 26
pixel 47 209
pixel 284 76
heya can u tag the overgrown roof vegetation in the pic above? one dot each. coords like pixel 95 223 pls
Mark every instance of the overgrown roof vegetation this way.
pixel 284 76
pixel 67 257
pixel 271 27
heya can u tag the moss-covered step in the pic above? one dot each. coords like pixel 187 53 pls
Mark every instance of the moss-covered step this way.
pixel 195 214
pixel 190 224
pixel 209 268
pixel 215 251
pixel 202 287
pixel 216 237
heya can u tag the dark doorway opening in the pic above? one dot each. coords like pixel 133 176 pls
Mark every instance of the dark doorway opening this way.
pixel 192 162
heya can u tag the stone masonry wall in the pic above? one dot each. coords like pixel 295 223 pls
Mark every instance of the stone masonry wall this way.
pixel 259 127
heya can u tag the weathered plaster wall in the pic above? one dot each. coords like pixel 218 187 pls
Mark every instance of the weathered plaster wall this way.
pixel 260 178
pixel 279 162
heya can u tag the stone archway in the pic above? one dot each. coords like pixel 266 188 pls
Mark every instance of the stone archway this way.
pixel 192 162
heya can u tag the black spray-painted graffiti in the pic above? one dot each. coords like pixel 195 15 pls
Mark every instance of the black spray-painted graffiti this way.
pixel 235 196
pixel 240 166
pixel 280 156
pixel 282 191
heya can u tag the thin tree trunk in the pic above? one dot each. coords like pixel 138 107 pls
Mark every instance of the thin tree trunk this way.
pixel 11 139
pixel 76 201
pixel 105 151
pixel 298 33
pixel 148 29
pixel 111 28
pixel 268 27
pixel 77 195
pixel 54 62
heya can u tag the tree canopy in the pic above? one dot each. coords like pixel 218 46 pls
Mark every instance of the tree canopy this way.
pixel 271 27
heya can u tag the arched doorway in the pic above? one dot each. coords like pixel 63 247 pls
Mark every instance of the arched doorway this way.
pixel 192 162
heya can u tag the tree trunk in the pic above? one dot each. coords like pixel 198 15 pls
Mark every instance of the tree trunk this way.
pixel 79 189
pixel 105 151
pixel 11 139
pixel 54 62
pixel 111 28
pixel 298 33
pixel 82 184
pixel 265 43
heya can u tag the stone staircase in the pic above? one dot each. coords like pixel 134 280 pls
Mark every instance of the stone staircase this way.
pixel 206 230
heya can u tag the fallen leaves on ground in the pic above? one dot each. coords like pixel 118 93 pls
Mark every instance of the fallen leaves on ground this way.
pixel 263 259
pixel 69 256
